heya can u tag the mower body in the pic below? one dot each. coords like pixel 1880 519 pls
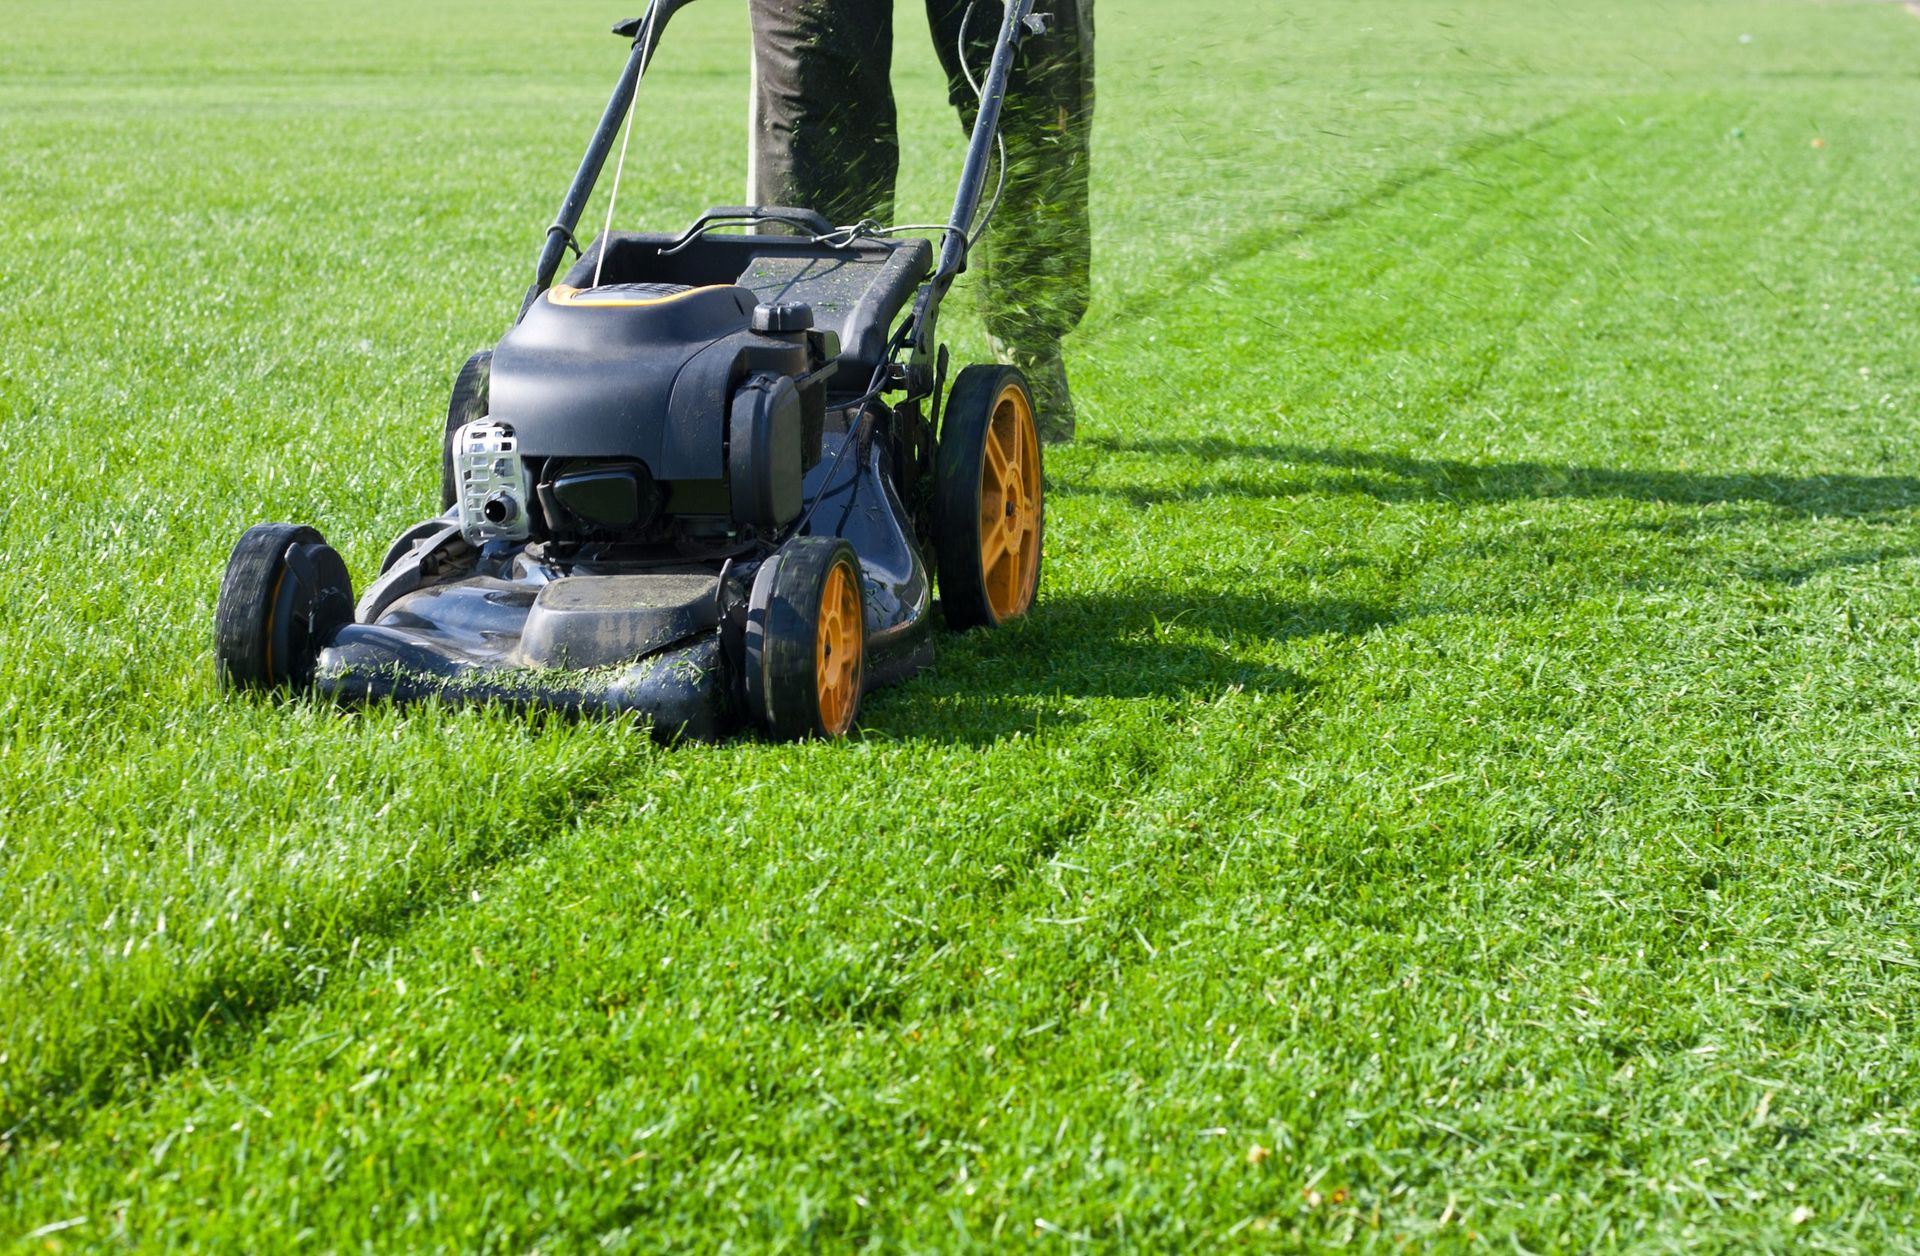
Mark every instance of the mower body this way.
pixel 669 423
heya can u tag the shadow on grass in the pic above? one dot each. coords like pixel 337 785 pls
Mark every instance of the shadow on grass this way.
pixel 1399 477
pixel 1148 642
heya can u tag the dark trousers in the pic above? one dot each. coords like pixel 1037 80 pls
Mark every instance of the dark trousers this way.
pixel 824 137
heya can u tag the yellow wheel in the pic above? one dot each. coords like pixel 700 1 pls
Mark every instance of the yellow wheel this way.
pixel 839 637
pixel 806 640
pixel 989 501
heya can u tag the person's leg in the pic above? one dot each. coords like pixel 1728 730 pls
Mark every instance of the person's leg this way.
pixel 822 134
pixel 1036 257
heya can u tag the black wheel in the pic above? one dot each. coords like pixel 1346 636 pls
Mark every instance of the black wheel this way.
pixel 806 640
pixel 989 505
pixel 284 593
pixel 469 402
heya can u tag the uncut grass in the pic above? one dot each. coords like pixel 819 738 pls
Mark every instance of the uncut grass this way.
pixel 1466 750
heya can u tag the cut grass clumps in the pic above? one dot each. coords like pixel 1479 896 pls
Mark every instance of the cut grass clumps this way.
pixel 1457 787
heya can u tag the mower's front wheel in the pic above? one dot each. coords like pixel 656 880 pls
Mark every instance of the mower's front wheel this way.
pixel 806 640
pixel 989 503
pixel 285 592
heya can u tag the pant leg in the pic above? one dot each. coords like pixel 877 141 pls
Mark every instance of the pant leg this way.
pixel 1038 251
pixel 823 132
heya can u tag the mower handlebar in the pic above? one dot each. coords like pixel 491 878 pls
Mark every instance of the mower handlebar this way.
pixel 761 213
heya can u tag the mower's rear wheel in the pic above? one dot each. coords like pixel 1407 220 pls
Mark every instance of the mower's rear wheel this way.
pixel 284 593
pixel 806 640
pixel 989 503
pixel 468 402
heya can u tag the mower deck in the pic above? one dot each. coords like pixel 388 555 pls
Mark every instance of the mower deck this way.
pixel 659 641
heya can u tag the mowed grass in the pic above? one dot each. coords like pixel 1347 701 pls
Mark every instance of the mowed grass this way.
pixel 1459 787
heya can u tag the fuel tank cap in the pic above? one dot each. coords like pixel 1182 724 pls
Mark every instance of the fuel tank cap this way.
pixel 783 316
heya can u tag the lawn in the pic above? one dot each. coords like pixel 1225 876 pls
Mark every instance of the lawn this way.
pixel 1459 787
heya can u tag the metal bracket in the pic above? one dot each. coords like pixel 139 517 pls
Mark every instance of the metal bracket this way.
pixel 567 238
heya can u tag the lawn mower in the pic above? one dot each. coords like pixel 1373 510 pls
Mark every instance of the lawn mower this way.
pixel 705 479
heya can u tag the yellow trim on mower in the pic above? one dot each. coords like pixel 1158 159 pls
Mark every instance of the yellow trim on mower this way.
pixel 564 294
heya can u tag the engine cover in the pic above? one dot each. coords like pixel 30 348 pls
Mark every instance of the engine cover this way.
pixel 583 376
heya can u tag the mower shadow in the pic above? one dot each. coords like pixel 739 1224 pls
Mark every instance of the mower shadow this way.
pixel 1149 642
pixel 1398 477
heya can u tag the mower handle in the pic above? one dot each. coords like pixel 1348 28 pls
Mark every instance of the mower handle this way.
pixel 1018 21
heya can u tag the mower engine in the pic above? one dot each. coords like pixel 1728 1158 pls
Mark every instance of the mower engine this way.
pixel 645 414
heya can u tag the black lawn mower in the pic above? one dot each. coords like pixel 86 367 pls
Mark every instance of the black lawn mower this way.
pixel 705 479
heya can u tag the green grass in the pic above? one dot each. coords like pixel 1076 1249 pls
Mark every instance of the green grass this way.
pixel 1459 787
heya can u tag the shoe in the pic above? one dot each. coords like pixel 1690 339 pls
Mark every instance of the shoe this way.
pixel 1046 376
